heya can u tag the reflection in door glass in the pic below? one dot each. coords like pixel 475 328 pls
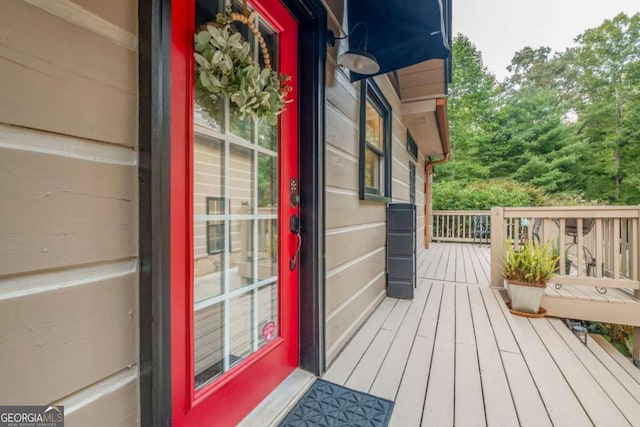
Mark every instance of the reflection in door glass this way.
pixel 235 227
pixel 208 226
pixel 208 359
pixel 267 248
pixel 240 326
pixel 241 257
pixel 241 180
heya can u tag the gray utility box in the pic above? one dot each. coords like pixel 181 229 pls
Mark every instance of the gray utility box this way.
pixel 401 250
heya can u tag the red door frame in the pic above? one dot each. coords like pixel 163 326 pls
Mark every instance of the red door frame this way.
pixel 227 400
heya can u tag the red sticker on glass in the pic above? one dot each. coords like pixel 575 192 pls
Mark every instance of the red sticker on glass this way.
pixel 268 330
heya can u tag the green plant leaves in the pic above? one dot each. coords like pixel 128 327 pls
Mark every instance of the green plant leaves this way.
pixel 226 66
pixel 203 37
pixel 531 263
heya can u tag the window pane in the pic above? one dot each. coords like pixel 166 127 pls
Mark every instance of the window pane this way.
pixel 372 169
pixel 374 126
pixel 267 313
pixel 267 184
pixel 240 327
pixel 238 125
pixel 267 249
pixel 208 230
pixel 208 110
pixel 208 332
pixel 268 136
pixel 241 257
pixel 241 181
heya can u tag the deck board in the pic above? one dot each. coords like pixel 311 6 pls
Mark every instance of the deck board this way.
pixel 562 405
pixel 469 404
pixel 620 396
pixel 500 407
pixel 367 368
pixel 349 357
pixel 388 380
pixel 526 396
pixel 413 386
pixel 438 405
pixel 596 344
pixel 596 402
pixel 615 354
pixel 455 355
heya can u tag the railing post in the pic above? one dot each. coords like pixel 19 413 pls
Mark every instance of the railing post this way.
pixel 497 245
pixel 636 275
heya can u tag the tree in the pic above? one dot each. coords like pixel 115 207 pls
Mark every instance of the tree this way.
pixel 605 67
pixel 567 123
pixel 471 109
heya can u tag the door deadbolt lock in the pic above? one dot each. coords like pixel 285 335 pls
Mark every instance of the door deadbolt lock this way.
pixel 294 193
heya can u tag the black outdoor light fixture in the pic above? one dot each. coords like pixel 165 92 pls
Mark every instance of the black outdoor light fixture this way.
pixel 357 60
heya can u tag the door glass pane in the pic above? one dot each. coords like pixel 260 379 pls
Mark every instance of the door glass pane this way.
pixel 267 249
pixel 267 184
pixel 208 333
pixel 208 109
pixel 208 226
pixel 268 136
pixel 239 125
pixel 241 254
pixel 241 183
pixel 267 313
pixel 235 224
pixel 240 327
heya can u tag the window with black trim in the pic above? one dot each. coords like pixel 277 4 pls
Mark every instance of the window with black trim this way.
pixel 412 182
pixel 215 229
pixel 375 143
pixel 412 146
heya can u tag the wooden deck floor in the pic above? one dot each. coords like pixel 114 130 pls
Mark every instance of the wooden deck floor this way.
pixel 455 262
pixel 455 356
pixel 470 264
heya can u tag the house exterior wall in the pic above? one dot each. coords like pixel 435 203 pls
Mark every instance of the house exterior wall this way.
pixel 68 216
pixel 355 229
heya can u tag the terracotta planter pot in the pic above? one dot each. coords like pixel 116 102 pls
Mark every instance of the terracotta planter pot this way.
pixel 524 296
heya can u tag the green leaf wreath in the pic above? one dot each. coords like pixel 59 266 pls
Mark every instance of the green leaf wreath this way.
pixel 226 68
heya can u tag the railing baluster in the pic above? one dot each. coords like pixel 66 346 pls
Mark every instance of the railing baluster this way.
pixel 624 247
pixel 616 248
pixel 464 227
pixel 599 247
pixel 633 249
pixel 561 250
pixel 580 247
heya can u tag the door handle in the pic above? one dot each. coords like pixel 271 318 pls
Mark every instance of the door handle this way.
pixel 294 226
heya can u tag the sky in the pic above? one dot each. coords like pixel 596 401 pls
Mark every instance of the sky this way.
pixel 499 28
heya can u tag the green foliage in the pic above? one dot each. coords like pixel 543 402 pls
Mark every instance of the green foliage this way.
pixel 226 68
pixel 483 195
pixel 604 66
pixel 531 263
pixel 472 103
pixel 620 336
pixel 566 123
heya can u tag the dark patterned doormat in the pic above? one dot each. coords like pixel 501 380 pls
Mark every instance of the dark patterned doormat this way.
pixel 328 404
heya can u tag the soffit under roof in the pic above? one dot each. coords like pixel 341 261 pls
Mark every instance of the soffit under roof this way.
pixel 422 81
pixel 420 85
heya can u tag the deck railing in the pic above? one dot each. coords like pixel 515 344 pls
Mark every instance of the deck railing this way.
pixel 597 245
pixel 461 226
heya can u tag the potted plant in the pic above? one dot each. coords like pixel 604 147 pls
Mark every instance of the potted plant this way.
pixel 526 272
